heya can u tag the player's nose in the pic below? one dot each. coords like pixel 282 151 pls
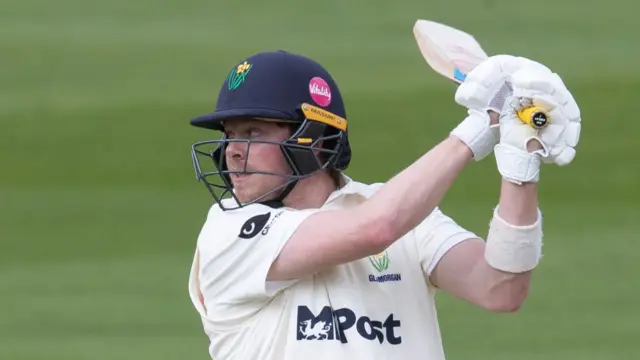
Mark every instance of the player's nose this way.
pixel 236 149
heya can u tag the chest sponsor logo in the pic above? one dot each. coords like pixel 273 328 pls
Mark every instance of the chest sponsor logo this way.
pixel 258 225
pixel 253 226
pixel 380 262
pixel 341 324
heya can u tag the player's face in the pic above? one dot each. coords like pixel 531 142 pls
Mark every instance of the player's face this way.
pixel 257 157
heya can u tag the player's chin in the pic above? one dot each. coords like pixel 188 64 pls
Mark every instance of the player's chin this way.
pixel 258 187
pixel 248 195
pixel 244 196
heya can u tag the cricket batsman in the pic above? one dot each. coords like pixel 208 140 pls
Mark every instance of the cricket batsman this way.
pixel 296 260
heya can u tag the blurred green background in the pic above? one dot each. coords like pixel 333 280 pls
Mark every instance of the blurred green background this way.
pixel 100 210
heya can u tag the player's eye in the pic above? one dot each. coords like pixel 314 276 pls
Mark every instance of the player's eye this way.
pixel 254 132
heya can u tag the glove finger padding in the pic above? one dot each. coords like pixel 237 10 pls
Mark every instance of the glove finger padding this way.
pixel 531 81
pixel 486 86
pixel 572 133
pixel 544 101
pixel 563 155
pixel 548 91
pixel 520 103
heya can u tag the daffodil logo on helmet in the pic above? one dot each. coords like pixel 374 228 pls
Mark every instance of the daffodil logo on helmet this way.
pixel 237 75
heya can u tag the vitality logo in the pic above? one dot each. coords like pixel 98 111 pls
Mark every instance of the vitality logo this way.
pixel 332 324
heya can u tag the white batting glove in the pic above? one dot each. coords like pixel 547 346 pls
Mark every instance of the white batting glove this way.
pixel 515 163
pixel 540 87
pixel 485 88
pixel 548 91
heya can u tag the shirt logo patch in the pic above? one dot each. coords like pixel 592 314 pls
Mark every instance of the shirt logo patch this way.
pixel 344 323
pixel 380 262
pixel 253 226
pixel 319 330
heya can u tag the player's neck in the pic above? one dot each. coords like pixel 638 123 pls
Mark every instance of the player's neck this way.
pixel 311 193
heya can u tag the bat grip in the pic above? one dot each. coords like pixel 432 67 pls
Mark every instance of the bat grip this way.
pixel 535 116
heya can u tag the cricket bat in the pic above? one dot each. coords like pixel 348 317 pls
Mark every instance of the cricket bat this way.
pixel 453 53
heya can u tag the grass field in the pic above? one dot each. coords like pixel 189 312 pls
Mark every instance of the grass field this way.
pixel 100 211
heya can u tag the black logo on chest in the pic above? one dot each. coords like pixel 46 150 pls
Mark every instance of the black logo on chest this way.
pixel 332 324
pixel 253 226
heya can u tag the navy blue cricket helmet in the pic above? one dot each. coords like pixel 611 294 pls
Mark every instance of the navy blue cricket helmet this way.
pixel 279 86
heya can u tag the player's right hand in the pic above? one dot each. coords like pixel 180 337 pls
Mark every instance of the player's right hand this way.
pixel 557 141
pixel 547 90
pixel 485 89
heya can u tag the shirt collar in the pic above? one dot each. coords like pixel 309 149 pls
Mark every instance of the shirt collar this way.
pixel 349 187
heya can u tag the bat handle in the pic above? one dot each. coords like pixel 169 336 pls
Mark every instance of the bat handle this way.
pixel 535 116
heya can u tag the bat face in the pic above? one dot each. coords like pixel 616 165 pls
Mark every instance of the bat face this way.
pixel 449 51
pixel 453 54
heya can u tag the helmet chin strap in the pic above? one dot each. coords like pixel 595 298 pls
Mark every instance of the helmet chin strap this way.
pixel 287 190
pixel 279 201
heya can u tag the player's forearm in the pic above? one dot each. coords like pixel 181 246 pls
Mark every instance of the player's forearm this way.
pixel 501 291
pixel 518 203
pixel 409 197
pixel 518 208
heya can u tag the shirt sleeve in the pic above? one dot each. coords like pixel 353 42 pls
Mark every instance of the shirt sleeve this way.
pixel 234 269
pixel 436 235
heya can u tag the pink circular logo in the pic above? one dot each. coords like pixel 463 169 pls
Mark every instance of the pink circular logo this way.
pixel 320 91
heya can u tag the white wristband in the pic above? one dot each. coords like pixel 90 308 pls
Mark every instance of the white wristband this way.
pixel 511 248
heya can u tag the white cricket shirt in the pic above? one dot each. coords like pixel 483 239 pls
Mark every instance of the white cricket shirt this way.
pixel 380 307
